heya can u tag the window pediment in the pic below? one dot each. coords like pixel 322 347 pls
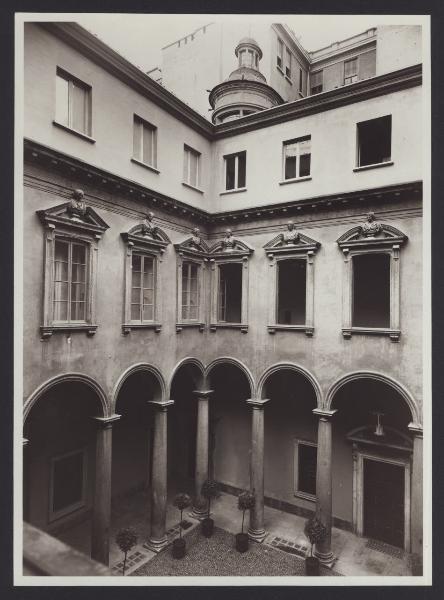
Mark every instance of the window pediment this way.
pixel 290 242
pixel 193 246
pixel 371 233
pixel 146 235
pixel 230 247
pixel 75 215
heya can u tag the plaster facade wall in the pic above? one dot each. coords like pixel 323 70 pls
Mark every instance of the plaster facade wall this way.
pixel 113 107
pixel 398 47
pixel 333 153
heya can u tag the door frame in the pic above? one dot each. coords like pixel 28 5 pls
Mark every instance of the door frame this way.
pixel 358 490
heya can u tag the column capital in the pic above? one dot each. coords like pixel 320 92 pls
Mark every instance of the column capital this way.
pixel 257 403
pixel 324 414
pixel 203 394
pixel 106 422
pixel 415 429
pixel 161 405
pixel 25 442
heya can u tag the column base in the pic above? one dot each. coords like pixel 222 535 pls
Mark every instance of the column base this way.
pixel 156 545
pixel 257 535
pixel 198 514
pixel 327 559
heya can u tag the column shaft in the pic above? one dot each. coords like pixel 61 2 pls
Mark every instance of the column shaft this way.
pixel 256 530
pixel 324 485
pixel 416 500
pixel 201 472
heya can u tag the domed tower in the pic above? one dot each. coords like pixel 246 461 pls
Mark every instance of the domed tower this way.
pixel 246 90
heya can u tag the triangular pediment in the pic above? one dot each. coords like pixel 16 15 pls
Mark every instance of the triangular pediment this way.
pixel 231 246
pixel 193 245
pixel 297 242
pixel 74 215
pixel 147 235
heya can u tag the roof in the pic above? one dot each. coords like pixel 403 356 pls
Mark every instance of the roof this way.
pixel 246 73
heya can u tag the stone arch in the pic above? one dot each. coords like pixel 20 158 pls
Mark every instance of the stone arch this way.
pixel 401 390
pixel 182 363
pixel 227 360
pixel 292 367
pixel 134 369
pixel 67 378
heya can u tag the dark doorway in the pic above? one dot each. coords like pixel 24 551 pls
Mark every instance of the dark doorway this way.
pixel 384 502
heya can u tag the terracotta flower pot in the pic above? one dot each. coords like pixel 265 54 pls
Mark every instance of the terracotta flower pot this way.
pixel 207 527
pixel 179 548
pixel 311 565
pixel 242 542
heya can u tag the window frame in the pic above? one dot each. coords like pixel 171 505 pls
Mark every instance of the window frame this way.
pixel 312 93
pixel 52 514
pixel 73 80
pixel 280 51
pixel 386 163
pixel 297 492
pixel 356 74
pixel 288 65
pixel 188 151
pixel 145 125
pixel 236 156
pixel 284 156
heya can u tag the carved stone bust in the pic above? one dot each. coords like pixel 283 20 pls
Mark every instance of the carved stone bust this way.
pixel 291 236
pixel 371 228
pixel 195 239
pixel 147 224
pixel 77 204
pixel 228 242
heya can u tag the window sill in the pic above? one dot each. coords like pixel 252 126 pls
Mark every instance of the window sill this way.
pixel 281 71
pixel 288 79
pixel 126 327
pixel 242 326
pixel 234 191
pixel 192 187
pixel 388 163
pixel 48 330
pixel 394 334
pixel 142 164
pixel 305 328
pixel 84 136
pixel 295 180
pixel 190 325
pixel 305 496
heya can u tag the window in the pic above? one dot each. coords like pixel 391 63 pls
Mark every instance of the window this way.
pixel 145 142
pixel 70 281
pixel 73 103
pixel 374 141
pixel 230 293
pixel 300 80
pixel 280 54
pixel 305 469
pixel 316 82
pixel 67 483
pixel 297 158
pixel 371 290
pixel 235 170
pixel 191 167
pixel 190 291
pixel 288 63
pixel 351 71
pixel 142 288
pixel 291 292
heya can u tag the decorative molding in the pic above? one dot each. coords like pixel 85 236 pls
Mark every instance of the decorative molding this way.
pixel 230 246
pixel 147 236
pixel 370 234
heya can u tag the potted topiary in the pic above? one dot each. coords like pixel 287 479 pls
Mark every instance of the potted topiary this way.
pixel 245 502
pixel 316 532
pixel 181 501
pixel 126 538
pixel 210 490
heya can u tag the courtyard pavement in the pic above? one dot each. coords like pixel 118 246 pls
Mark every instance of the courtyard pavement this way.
pixel 354 555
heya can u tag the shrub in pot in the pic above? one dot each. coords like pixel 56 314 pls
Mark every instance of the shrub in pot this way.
pixel 316 532
pixel 126 538
pixel 181 501
pixel 210 490
pixel 245 502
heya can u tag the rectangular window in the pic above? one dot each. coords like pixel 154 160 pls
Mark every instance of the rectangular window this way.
pixel 280 54
pixel 297 158
pixel 145 142
pixel 68 477
pixel 300 80
pixel 306 457
pixel 191 167
pixel 190 291
pixel 73 103
pixel 316 82
pixel 351 71
pixel 291 292
pixel 70 281
pixel 371 290
pixel 235 170
pixel 230 293
pixel 375 141
pixel 288 63
pixel 142 288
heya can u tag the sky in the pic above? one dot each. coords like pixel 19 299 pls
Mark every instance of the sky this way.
pixel 139 38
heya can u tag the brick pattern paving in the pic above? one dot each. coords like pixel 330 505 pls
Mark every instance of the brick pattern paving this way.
pixel 385 548
pixel 134 560
pixel 289 546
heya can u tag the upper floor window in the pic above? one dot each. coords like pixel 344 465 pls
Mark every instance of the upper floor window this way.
pixel 280 54
pixel 297 157
pixel 288 63
pixel 190 291
pixel 300 80
pixel 235 170
pixel 316 82
pixel 73 103
pixel 145 142
pixel 70 281
pixel 291 291
pixel 230 293
pixel 351 70
pixel 374 141
pixel 371 290
pixel 191 167
pixel 142 288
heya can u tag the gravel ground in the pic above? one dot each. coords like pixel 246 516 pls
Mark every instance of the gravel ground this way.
pixel 218 556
